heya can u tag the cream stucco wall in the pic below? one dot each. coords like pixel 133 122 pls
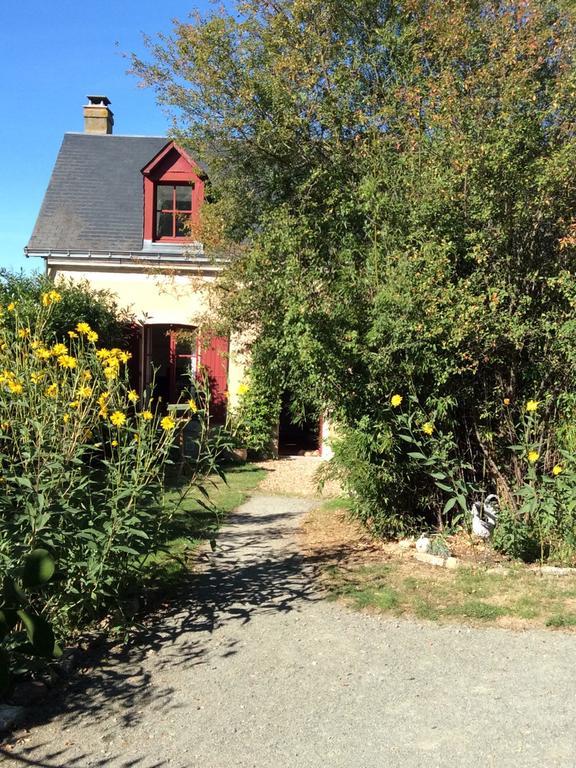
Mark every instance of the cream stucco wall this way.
pixel 163 298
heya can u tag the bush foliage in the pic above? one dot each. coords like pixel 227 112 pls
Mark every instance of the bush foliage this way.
pixel 83 460
pixel 399 177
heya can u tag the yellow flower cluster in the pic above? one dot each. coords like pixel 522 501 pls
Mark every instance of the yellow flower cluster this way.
pixel 85 330
pixel 50 297
pixel 428 428
pixel 111 359
pixel 67 361
pixel 532 405
pixel 103 404
pixel 11 381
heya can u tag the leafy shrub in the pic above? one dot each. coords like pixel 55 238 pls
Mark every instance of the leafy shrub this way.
pixel 256 417
pixel 79 300
pixel 82 462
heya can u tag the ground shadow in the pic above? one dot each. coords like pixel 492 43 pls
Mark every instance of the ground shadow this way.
pixel 120 682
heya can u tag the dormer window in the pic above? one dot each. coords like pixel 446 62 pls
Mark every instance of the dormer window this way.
pixel 173 195
pixel 173 211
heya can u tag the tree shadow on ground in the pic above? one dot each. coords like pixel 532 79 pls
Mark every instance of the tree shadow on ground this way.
pixel 116 684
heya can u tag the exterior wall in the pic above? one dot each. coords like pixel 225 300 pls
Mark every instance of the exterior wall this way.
pixel 181 299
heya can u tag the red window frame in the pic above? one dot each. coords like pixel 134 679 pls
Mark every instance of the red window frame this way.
pixel 173 210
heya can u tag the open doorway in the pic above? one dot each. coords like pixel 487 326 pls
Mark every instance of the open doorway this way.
pixel 171 355
pixel 297 438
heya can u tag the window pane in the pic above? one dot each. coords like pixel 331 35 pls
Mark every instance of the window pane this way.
pixel 164 225
pixel 182 225
pixel 164 197
pixel 183 197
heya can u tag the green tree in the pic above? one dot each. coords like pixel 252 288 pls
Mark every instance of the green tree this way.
pixel 396 184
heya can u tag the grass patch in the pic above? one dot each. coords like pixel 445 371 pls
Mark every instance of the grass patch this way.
pixel 338 503
pixel 517 598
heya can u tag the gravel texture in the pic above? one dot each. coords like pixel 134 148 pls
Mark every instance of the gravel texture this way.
pixel 296 476
pixel 258 669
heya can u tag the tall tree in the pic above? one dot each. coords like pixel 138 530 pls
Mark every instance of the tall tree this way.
pixel 397 179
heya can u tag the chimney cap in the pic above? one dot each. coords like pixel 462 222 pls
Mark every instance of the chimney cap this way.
pixel 99 100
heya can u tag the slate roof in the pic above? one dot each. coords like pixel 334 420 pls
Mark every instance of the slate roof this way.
pixel 94 201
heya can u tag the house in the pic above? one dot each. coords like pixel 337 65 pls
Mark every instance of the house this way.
pixel 117 213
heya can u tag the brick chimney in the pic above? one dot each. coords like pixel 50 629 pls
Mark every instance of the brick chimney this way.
pixel 98 117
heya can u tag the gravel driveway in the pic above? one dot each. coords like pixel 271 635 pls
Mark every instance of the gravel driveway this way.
pixel 259 670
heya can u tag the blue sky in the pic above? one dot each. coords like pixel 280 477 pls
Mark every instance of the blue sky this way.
pixel 53 53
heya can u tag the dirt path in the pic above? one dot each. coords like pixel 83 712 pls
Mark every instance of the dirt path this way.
pixel 259 670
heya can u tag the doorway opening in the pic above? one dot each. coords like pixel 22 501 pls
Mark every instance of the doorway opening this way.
pixel 297 437
pixel 171 355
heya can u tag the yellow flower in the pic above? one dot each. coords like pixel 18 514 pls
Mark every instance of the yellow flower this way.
pixel 50 297
pixel 428 428
pixel 136 438
pixel 118 418
pixel 556 469
pixel 124 356
pixel 531 405
pixel 59 349
pixel 83 328
pixel 15 387
pixel 52 390
pixel 506 401
pixel 11 307
pixel 146 415
pixel 103 354
pixel 42 353
pixel 395 401
pixel 110 373
pixel 103 399
pixel 133 396
pixel 85 391
pixel 243 389
pixel 533 456
pixel 92 336
pixel 74 404
pixel 114 443
pixel 192 405
pixel 36 377
pixel 167 423
pixel 86 375
pixel 66 418
pixel 73 334
pixel 23 332
pixel 66 361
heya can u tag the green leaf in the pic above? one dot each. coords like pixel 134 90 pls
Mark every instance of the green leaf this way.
pixel 449 505
pixel 416 455
pixel 38 568
pixel 40 634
